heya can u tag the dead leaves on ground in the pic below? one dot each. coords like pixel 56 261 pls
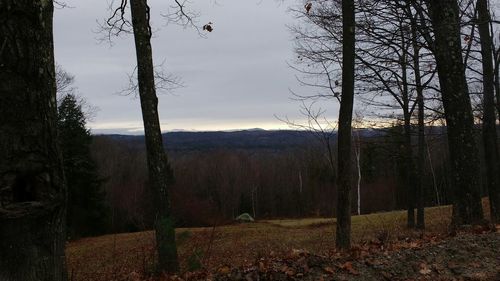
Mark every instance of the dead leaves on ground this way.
pixel 295 264
pixel 348 266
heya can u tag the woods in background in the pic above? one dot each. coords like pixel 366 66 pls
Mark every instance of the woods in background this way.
pixel 214 185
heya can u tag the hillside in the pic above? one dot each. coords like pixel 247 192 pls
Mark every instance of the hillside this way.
pixel 241 245
pixel 255 139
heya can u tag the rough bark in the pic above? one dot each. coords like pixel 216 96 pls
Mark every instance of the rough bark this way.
pixel 444 15
pixel 160 174
pixel 343 233
pixel 32 189
pixel 489 116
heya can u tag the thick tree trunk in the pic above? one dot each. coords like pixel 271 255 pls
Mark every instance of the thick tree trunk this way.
pixel 421 129
pixel 489 116
pixel 444 16
pixel 343 233
pixel 160 174
pixel 32 189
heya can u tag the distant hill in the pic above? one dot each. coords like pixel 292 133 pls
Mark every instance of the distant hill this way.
pixel 254 139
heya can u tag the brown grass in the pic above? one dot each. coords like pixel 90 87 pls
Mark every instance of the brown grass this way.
pixel 111 257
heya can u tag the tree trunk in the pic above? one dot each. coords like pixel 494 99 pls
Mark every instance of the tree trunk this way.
pixel 497 87
pixel 409 170
pixel 465 171
pixel 160 174
pixel 496 75
pixel 32 188
pixel 489 116
pixel 343 233
pixel 357 151
pixel 421 129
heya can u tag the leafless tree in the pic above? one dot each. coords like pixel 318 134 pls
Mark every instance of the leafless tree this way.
pixel 160 172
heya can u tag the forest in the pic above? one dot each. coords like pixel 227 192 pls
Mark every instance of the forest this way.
pixel 402 183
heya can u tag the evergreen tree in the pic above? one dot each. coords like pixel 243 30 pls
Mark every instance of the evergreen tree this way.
pixel 86 212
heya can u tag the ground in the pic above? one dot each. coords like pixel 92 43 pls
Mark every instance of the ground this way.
pixel 383 247
pixel 468 256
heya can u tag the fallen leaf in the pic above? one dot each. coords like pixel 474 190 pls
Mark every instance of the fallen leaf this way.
pixel 224 270
pixel 413 245
pixel 348 266
pixel 424 269
pixel 329 270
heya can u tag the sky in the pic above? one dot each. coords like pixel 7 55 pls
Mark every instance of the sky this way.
pixel 236 77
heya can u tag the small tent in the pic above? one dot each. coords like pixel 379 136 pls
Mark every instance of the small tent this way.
pixel 245 217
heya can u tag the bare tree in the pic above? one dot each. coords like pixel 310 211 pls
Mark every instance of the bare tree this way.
pixel 489 116
pixel 160 172
pixel 344 160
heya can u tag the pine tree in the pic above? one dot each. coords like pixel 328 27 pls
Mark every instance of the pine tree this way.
pixel 86 212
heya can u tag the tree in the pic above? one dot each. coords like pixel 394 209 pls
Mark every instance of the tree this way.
pixel 384 63
pixel 86 211
pixel 489 115
pixel 444 16
pixel 160 173
pixel 32 187
pixel 343 233
pixel 421 126
pixel 159 170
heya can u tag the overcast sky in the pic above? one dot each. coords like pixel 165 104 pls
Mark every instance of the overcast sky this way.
pixel 235 78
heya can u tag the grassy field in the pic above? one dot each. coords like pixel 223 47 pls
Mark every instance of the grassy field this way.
pixel 112 257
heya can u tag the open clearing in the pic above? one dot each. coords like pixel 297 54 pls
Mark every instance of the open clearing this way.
pixel 239 244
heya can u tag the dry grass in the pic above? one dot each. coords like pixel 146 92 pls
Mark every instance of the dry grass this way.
pixel 111 257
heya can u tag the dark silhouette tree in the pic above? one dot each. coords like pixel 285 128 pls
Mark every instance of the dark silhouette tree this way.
pixel 86 212
pixel 32 188
pixel 160 173
pixel 489 115
pixel 444 16
pixel 343 232
pixel 420 163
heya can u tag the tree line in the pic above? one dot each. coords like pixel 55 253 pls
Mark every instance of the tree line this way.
pixel 418 62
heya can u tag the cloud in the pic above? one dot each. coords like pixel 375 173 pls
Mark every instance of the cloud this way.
pixel 237 76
